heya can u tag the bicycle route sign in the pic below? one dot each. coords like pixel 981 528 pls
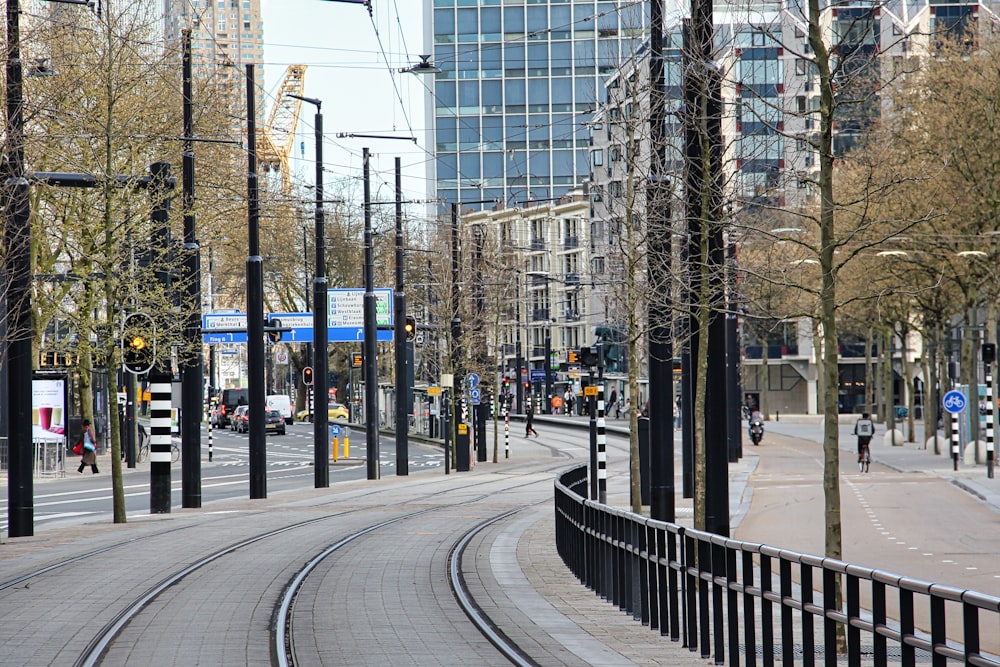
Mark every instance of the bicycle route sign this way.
pixel 954 402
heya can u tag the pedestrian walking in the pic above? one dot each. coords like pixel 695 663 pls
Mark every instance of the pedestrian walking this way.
pixel 612 400
pixel 88 453
pixel 568 400
pixel 529 421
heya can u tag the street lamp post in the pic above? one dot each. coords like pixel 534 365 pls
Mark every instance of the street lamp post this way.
pixel 321 442
pixel 370 332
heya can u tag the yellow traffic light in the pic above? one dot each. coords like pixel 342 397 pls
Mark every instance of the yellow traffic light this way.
pixel 137 343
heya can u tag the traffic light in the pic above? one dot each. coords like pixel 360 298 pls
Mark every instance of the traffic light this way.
pixel 138 351
pixel 410 328
pixel 588 356
pixel 273 336
pixel 574 357
pixel 307 376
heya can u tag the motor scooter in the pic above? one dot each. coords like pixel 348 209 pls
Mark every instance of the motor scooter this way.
pixel 756 431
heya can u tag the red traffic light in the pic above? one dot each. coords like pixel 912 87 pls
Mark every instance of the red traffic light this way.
pixel 307 375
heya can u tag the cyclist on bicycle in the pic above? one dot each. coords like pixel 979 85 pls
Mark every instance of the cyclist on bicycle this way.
pixel 864 429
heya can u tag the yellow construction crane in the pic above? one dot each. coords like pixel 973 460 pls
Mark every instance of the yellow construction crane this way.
pixel 276 140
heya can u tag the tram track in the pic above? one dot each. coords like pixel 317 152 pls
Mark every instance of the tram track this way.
pixel 115 620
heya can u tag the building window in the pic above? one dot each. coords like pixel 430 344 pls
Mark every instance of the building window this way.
pixel 597 157
pixel 801 66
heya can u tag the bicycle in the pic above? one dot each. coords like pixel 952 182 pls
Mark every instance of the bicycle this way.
pixel 864 458
pixel 175 451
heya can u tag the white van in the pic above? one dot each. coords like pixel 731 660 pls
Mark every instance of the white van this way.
pixel 283 404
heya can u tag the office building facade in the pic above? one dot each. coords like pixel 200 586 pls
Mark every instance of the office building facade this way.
pixel 519 82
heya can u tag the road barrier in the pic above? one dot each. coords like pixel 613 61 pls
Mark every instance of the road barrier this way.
pixel 713 593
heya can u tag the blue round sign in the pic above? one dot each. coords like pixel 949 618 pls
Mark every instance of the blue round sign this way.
pixel 335 430
pixel 954 401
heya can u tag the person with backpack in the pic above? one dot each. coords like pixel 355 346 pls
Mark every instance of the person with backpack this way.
pixel 864 429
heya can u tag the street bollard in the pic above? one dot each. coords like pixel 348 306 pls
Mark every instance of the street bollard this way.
pixel 336 446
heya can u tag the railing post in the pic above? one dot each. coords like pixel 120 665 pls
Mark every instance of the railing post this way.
pixel 907 653
pixel 749 619
pixel 829 625
pixel 766 612
pixel 881 655
pixel 853 613
pixel 733 606
pixel 787 634
pixel 808 640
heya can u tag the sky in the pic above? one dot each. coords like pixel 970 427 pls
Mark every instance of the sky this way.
pixel 352 61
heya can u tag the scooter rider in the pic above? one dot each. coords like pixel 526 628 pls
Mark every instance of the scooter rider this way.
pixel 756 427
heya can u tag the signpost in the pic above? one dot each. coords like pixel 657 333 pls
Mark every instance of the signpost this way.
pixel 955 403
pixel 227 321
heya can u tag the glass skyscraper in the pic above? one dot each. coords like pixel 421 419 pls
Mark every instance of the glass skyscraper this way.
pixel 520 80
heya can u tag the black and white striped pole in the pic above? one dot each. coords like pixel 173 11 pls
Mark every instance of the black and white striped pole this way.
pixel 989 356
pixel 159 441
pixel 211 410
pixel 602 441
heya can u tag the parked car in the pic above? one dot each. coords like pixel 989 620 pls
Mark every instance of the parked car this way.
pixel 274 422
pixel 333 411
pixel 238 421
pixel 229 400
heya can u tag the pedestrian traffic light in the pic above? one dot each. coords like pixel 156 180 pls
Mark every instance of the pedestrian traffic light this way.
pixel 138 349
pixel 410 328
pixel 307 376
pixel 588 356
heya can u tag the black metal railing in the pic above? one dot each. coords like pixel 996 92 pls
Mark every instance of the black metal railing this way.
pixel 720 595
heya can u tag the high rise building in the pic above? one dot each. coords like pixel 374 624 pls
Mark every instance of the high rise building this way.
pixel 519 81
pixel 225 36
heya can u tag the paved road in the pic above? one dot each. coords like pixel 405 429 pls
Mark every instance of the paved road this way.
pixel 374 605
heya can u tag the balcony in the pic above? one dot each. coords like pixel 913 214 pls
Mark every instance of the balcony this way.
pixel 572 315
pixel 539 279
pixel 572 279
pixel 571 242
pixel 537 244
pixel 540 314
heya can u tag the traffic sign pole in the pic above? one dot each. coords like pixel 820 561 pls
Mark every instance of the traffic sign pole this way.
pixel 954 402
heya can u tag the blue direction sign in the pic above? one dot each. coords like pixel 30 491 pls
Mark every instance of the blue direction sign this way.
pixel 349 334
pixel 473 380
pixel 954 402
pixel 538 375
pixel 346 314
pixel 475 395
pixel 301 325
pixel 335 430
pixel 210 321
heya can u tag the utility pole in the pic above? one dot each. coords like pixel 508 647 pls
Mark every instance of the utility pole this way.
pixel 370 332
pixel 320 358
pixel 255 307
pixel 661 381
pixel 160 376
pixel 192 367
pixel 17 239
pixel 404 391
